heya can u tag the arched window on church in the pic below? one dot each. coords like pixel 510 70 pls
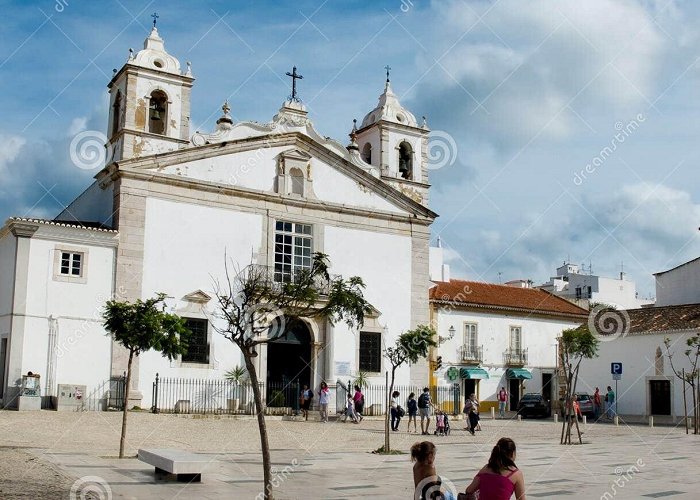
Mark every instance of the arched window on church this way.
pixel 296 177
pixel 158 112
pixel 367 153
pixel 406 160
pixel 116 112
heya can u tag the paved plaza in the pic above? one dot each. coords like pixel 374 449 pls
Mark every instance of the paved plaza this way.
pixel 44 454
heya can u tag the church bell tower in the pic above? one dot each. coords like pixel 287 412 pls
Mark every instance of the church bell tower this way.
pixel 391 139
pixel 149 103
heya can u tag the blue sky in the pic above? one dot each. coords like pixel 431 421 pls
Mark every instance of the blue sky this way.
pixel 531 93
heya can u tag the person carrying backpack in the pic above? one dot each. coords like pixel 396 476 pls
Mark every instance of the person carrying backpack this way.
pixel 424 405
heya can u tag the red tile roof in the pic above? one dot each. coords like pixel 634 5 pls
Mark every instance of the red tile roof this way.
pixel 664 318
pixel 516 299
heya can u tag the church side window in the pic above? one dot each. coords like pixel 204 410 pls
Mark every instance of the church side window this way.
pixel 71 264
pixel 293 249
pixel 370 352
pixel 198 342
pixel 297 179
pixel 158 112
pixel 406 160
pixel 116 112
pixel 367 153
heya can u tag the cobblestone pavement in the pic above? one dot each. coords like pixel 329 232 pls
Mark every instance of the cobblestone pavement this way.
pixel 332 461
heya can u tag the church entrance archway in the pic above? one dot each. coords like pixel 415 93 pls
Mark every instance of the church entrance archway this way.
pixel 288 364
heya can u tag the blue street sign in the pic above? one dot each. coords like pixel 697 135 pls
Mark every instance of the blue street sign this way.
pixel 616 368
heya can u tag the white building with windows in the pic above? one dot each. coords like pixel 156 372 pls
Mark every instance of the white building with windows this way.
pixel 575 285
pixel 494 336
pixel 169 205
pixel 679 285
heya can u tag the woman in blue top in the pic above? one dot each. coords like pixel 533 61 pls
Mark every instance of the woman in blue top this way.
pixel 412 408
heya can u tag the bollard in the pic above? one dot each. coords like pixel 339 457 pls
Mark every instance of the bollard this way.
pixel 520 417
pixel 556 418
pixel 616 420
pixel 493 413
pixel 584 419
pixel 651 420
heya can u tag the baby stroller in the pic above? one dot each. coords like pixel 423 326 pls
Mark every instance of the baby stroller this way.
pixel 447 425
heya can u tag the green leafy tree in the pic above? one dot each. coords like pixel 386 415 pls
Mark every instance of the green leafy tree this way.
pixel 688 376
pixel 253 305
pixel 409 347
pixel 139 327
pixel 575 345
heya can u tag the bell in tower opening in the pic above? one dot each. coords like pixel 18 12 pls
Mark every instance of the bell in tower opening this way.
pixel 405 160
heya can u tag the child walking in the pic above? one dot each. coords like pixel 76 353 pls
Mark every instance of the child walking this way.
pixel 440 423
pixel 412 408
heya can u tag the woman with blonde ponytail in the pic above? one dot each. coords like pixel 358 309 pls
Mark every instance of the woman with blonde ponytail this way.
pixel 500 477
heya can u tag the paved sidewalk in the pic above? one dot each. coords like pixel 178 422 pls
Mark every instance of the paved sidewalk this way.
pixel 643 462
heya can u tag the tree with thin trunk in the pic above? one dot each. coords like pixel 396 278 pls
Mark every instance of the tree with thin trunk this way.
pixel 139 327
pixel 688 376
pixel 255 301
pixel 575 345
pixel 408 348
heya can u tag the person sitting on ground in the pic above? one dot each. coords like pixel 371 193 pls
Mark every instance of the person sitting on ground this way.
pixel 426 482
pixel 500 477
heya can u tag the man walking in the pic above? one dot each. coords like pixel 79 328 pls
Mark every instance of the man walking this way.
pixel 502 398
pixel 596 404
pixel 424 411
pixel 610 402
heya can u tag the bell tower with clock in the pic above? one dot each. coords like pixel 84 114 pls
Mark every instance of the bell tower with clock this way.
pixel 149 103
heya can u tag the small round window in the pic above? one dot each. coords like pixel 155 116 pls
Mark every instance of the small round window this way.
pixel 158 63
pixel 399 118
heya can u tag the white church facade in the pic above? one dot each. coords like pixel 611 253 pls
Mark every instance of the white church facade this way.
pixel 169 205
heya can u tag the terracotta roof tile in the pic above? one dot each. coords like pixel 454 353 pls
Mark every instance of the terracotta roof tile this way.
pixel 664 318
pixel 490 295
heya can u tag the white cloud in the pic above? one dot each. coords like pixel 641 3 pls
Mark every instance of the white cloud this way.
pixel 10 147
pixel 77 125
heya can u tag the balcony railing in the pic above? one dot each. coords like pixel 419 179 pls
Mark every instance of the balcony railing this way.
pixel 471 354
pixel 515 357
pixel 275 276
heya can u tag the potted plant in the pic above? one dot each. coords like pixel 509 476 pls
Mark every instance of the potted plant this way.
pixel 236 376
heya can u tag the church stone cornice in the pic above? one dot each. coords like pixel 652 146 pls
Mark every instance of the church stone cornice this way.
pixel 297 139
pixel 230 192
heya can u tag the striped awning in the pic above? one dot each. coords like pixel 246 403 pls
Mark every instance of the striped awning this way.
pixel 473 373
pixel 520 373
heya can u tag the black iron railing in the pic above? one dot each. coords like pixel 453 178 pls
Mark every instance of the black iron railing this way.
pixel 515 357
pixel 471 354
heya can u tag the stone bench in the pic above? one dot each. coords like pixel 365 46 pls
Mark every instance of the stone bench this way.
pixel 185 466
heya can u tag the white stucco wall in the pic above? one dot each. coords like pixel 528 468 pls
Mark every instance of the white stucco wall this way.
pixel 257 169
pixel 493 333
pixel 383 261
pixel 679 286
pixel 184 251
pixel 82 352
pixel 7 274
pixel 637 353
